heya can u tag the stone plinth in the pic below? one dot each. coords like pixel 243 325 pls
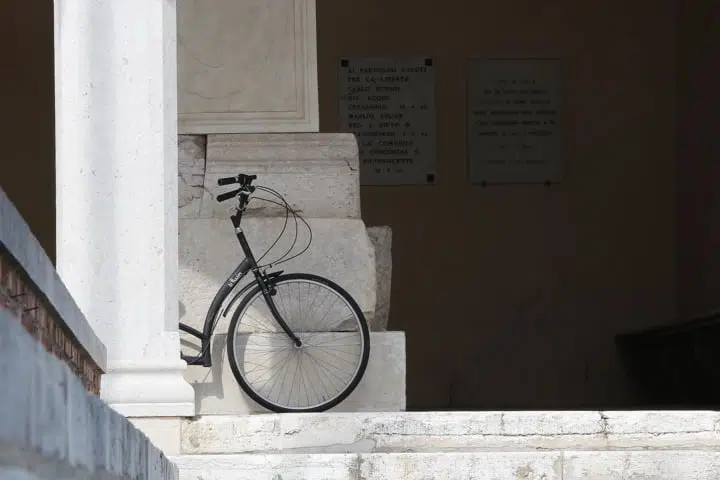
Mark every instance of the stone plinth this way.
pixel 209 251
pixel 382 388
pixel 247 66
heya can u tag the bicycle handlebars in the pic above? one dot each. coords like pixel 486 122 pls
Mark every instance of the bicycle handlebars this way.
pixel 245 182
pixel 242 179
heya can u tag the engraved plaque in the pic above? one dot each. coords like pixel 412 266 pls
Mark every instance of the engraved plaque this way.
pixel 389 104
pixel 513 123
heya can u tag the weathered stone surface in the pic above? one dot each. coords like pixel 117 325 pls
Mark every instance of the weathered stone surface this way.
pixel 406 466
pixel 191 174
pixel 51 427
pixel 209 251
pixel 655 465
pixel 267 467
pixel 381 238
pixel 316 173
pixel 381 389
pixel 378 432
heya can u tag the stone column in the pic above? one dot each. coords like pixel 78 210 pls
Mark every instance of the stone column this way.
pixel 117 221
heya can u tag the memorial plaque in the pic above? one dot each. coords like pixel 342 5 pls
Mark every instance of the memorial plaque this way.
pixel 389 104
pixel 513 124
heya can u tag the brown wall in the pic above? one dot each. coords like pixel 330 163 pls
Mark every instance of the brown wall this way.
pixel 699 157
pixel 511 296
pixel 27 121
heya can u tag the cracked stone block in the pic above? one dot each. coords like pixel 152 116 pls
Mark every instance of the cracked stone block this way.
pixel 191 174
pixel 381 237
pixel 316 173
pixel 209 251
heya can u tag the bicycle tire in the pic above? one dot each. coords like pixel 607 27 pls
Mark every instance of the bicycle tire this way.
pixel 364 331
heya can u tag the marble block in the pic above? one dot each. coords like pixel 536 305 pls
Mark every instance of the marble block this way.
pixel 382 388
pixel 317 173
pixel 340 251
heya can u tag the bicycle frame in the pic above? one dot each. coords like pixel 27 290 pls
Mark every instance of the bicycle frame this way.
pixel 249 264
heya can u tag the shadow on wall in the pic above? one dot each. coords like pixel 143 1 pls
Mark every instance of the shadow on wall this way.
pixel 511 296
pixel 27 121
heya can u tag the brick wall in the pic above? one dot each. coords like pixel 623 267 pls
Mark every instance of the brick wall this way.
pixel 29 306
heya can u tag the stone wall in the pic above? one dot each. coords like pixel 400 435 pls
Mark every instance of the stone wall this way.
pixel 32 293
pixel 52 422
pixel 51 427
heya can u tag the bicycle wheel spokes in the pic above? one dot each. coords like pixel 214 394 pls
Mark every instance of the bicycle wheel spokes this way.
pixel 285 377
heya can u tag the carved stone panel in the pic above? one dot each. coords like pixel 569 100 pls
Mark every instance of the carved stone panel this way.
pixel 247 66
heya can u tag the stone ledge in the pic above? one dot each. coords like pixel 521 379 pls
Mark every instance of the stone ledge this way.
pixel 667 465
pixel 50 423
pixel 477 466
pixel 450 431
pixel 40 298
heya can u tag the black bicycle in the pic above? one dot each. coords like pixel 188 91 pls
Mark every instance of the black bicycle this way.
pixel 284 356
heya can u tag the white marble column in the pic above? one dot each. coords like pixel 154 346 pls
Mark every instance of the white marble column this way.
pixel 117 168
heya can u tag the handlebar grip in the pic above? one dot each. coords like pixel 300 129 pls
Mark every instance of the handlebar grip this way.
pixel 227 180
pixel 227 195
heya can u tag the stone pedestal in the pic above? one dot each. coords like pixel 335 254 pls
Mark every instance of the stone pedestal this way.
pixel 318 176
pixel 247 66
pixel 117 193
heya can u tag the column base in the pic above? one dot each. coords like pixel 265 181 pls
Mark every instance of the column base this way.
pixel 143 390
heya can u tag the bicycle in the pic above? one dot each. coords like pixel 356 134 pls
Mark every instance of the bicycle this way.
pixel 286 336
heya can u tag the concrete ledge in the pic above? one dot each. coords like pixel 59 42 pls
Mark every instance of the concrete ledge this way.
pixel 451 431
pixel 17 239
pixel 50 427
pixel 381 389
pixel 669 465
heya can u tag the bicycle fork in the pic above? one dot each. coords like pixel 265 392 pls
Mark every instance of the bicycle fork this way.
pixel 268 292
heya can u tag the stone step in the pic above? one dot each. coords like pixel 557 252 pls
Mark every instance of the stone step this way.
pixel 382 388
pixel 382 432
pixel 567 465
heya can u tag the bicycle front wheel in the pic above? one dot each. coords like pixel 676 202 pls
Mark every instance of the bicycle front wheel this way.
pixel 315 376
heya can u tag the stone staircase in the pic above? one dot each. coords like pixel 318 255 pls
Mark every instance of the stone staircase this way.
pixel 369 436
pixel 453 445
